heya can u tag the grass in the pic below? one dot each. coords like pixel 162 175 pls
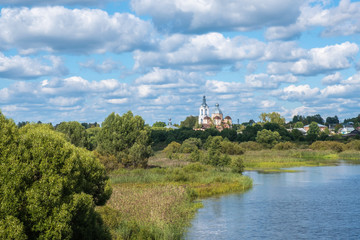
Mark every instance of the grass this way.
pixel 158 203
pixel 272 159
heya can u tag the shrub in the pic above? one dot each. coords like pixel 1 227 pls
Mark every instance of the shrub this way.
pixel 172 149
pixel 328 145
pixel 231 148
pixel 251 146
pixel 353 145
pixel 195 167
pixel 284 146
pixel 237 165
pixel 268 138
pixel 190 144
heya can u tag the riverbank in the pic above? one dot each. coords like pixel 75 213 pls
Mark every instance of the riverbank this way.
pixel 159 202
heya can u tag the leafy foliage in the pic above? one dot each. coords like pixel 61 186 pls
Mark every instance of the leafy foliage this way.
pixel 122 136
pixel 49 187
pixel 268 138
pixel 189 122
pixel 74 132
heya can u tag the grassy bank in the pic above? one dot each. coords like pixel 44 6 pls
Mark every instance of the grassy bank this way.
pixel 272 159
pixel 158 203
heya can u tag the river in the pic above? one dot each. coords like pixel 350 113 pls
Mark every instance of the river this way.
pixel 315 203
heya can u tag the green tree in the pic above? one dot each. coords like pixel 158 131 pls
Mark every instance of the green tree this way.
pixel 273 117
pixel 159 124
pixel 74 132
pixel 189 122
pixel 268 138
pixel 313 132
pixel 91 134
pixel 49 188
pixel 299 125
pixel 118 135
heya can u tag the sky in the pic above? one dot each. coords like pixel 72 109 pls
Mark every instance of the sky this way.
pixel 80 60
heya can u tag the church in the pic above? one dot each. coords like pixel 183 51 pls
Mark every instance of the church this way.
pixel 216 119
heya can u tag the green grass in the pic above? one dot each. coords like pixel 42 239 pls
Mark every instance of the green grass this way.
pixel 158 203
pixel 273 159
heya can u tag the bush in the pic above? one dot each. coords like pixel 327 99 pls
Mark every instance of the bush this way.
pixel 284 146
pixel 251 146
pixel 172 149
pixel 190 144
pixel 237 165
pixel 195 167
pixel 328 145
pixel 268 138
pixel 353 145
pixel 231 148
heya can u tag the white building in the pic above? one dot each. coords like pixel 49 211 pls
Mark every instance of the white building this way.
pixel 203 111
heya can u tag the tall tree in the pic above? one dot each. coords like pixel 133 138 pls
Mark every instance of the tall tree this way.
pixel 273 117
pixel 49 188
pixel 74 132
pixel 189 122
pixel 122 136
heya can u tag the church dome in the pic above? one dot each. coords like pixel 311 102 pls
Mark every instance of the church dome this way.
pixel 228 117
pixel 217 109
pixel 217 117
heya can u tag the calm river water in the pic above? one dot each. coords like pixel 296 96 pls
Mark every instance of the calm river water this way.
pixel 316 203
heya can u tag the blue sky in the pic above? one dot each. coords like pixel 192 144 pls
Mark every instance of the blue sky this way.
pixel 81 60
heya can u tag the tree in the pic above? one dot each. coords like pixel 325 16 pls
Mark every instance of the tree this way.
pixel 313 132
pixel 332 120
pixel 119 134
pixel 299 125
pixel 159 124
pixel 273 117
pixel 316 118
pixel 49 188
pixel 267 137
pixel 189 122
pixel 74 132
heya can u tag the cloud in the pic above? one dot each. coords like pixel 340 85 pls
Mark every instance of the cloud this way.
pixel 199 52
pixel 332 79
pixel 11 3
pixel 106 66
pixel 265 81
pixel 347 88
pixel 341 20
pixel 297 93
pixel 17 67
pixel 217 15
pixel 76 31
pixel 319 60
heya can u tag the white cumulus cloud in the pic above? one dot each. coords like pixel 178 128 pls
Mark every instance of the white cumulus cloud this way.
pixel 72 30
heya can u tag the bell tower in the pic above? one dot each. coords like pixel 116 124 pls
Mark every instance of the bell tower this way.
pixel 203 111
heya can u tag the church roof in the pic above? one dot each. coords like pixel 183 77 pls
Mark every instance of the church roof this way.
pixel 227 117
pixel 204 102
pixel 207 117
pixel 217 109
pixel 217 117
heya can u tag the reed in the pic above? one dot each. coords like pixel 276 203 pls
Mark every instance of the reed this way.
pixel 158 203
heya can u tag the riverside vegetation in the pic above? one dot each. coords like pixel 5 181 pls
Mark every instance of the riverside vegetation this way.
pixel 155 176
